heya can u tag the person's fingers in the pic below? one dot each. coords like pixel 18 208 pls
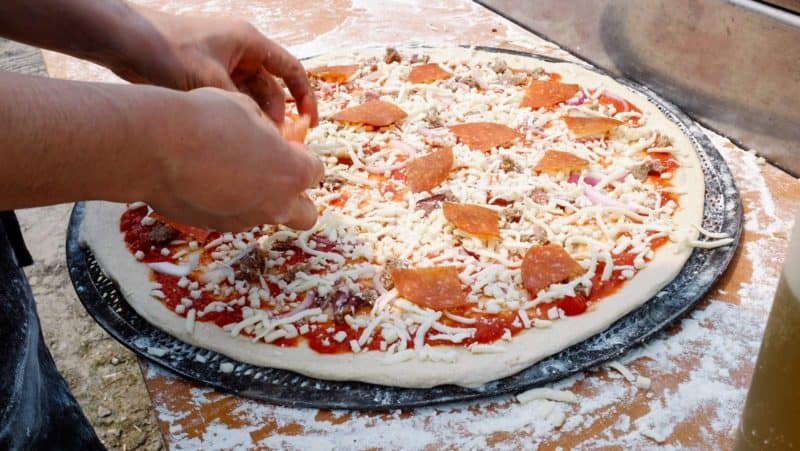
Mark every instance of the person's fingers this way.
pixel 264 89
pixel 302 214
pixel 241 96
pixel 310 169
pixel 281 63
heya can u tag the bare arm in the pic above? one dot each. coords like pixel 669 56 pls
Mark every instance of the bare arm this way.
pixel 206 157
pixel 179 52
pixel 92 30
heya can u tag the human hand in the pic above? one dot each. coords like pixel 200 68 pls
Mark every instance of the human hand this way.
pixel 185 53
pixel 220 164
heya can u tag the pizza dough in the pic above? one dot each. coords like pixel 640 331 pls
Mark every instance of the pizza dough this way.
pixel 469 368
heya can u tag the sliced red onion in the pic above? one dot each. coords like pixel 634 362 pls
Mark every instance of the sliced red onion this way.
pixel 323 244
pixel 308 301
pixel 577 99
pixel 432 132
pixel 587 179
pixel 538 132
pixel 372 76
pixel 371 95
pixel 602 199
pixel 404 146
pixel 385 169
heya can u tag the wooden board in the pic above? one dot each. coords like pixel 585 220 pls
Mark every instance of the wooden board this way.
pixel 700 368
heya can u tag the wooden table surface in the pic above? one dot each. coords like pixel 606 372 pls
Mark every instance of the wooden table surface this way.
pixel 700 368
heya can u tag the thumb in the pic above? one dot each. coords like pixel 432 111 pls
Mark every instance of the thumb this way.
pixel 302 213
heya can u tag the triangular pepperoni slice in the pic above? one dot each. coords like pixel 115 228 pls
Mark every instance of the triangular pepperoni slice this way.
pixel 585 127
pixel 377 113
pixel 427 73
pixel 484 135
pixel 438 288
pixel 296 129
pixel 556 160
pixel 334 74
pixel 197 233
pixel 545 265
pixel 427 172
pixel 473 219
pixel 620 105
pixel 540 94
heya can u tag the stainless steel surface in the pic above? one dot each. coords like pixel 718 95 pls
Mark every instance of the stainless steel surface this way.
pixel 733 65
pixel 791 5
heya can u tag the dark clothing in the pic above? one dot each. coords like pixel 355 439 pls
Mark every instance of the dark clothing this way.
pixel 37 410
pixel 9 223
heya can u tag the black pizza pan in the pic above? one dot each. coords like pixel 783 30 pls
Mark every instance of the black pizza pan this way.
pixel 722 212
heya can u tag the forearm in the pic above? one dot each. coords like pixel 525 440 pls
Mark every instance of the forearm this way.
pixel 102 31
pixel 63 141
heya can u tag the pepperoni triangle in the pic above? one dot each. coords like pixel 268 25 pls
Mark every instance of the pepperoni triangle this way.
pixel 556 160
pixel 620 104
pixel 540 94
pixel 197 233
pixel 334 74
pixel 585 127
pixel 436 287
pixel 427 172
pixel 296 129
pixel 545 265
pixel 484 135
pixel 473 219
pixel 427 73
pixel 377 113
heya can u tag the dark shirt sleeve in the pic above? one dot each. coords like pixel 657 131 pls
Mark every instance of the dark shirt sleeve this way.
pixel 8 221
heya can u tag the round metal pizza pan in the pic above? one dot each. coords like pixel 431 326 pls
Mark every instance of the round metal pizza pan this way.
pixel 722 212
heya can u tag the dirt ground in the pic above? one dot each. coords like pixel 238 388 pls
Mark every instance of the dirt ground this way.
pixel 102 374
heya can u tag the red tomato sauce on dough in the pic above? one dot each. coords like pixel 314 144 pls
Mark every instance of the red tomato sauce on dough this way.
pixel 137 240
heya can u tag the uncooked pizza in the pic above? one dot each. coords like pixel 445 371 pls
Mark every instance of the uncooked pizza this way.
pixel 480 211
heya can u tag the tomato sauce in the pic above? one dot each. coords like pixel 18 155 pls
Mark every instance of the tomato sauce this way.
pixel 173 295
pixel 320 338
pixel 136 238
pixel 667 161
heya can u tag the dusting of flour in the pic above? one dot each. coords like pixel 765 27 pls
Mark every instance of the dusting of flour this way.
pixel 705 338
